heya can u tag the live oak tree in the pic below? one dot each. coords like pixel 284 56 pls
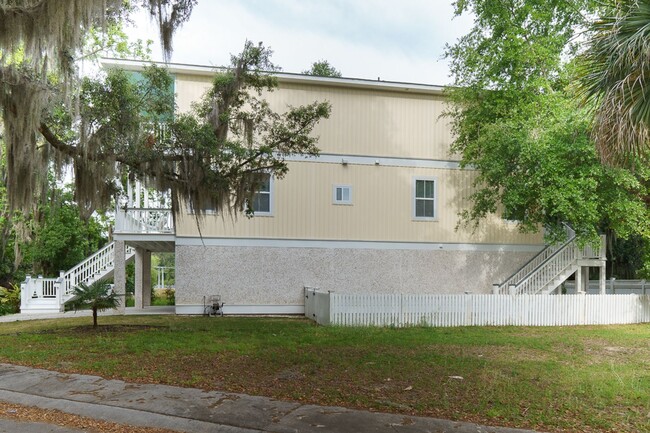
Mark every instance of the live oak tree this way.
pixel 40 42
pixel 51 232
pixel 115 128
pixel 214 157
pixel 520 124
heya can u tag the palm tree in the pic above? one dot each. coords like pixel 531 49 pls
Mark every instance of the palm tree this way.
pixel 97 296
pixel 615 78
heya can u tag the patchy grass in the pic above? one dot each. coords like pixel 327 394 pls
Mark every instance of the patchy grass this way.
pixel 574 379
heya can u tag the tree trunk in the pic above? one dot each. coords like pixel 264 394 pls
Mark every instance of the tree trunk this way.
pixel 94 317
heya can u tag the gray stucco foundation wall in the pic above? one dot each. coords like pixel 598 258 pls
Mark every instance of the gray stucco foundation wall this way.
pixel 276 275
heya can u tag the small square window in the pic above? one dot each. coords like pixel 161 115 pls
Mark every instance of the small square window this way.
pixel 342 194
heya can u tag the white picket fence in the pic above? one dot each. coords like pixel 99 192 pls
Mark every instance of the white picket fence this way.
pixel 331 308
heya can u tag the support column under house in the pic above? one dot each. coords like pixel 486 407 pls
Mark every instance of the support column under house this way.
pixel 142 278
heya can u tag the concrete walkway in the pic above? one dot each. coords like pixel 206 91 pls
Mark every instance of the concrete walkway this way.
pixel 194 410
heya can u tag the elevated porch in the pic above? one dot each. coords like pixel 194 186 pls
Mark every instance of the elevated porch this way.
pixel 146 230
pixel 143 224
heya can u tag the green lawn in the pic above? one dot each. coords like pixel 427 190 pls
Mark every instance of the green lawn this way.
pixel 574 379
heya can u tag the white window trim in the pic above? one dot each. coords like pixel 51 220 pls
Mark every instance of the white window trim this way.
pixel 435 198
pixel 271 199
pixel 341 202
pixel 508 221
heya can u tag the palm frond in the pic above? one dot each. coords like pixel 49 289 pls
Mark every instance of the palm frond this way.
pixel 614 79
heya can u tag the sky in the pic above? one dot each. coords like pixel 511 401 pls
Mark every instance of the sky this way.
pixel 391 40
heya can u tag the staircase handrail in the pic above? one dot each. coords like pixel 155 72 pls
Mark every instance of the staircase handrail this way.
pixel 527 268
pixel 570 251
pixel 535 262
pixel 107 250
pixel 102 250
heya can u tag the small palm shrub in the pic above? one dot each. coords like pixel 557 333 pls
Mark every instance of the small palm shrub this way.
pixel 97 296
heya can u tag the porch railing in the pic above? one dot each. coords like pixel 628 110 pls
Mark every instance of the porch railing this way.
pixel 144 220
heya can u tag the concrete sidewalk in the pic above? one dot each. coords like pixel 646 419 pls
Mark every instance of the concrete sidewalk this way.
pixel 197 411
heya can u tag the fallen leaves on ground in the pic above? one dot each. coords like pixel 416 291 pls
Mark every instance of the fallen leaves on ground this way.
pixel 21 413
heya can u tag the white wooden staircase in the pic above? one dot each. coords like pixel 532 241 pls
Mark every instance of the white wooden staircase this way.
pixel 546 272
pixel 48 295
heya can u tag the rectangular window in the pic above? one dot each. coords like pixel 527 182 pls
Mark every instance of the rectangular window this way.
pixel 424 198
pixel 262 200
pixel 342 194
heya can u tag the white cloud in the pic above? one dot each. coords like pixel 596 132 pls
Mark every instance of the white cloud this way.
pixel 397 41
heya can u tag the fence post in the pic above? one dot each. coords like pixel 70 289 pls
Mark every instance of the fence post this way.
pixel 39 286
pixel 495 289
pixel 25 292
pixel 643 287
pixel 611 285
pixel 329 308
pixel 59 286
pixel 468 309
pixel 512 289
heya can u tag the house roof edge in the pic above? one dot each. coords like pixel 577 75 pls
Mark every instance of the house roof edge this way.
pixel 181 68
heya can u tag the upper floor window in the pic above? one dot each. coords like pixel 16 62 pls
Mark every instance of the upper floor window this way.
pixel 509 216
pixel 263 199
pixel 424 198
pixel 342 194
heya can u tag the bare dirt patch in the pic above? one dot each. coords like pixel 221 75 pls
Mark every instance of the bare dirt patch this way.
pixel 602 351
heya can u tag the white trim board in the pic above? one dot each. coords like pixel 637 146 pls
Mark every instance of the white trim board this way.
pixel 360 83
pixel 372 245
pixel 332 158
pixel 244 309
pixel 144 237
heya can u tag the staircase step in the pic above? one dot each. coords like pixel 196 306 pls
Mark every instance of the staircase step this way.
pixel 42 301
pixel 31 310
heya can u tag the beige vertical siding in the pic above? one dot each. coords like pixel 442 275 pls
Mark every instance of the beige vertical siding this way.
pixel 372 122
pixel 377 122
pixel 382 208
pixel 190 88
